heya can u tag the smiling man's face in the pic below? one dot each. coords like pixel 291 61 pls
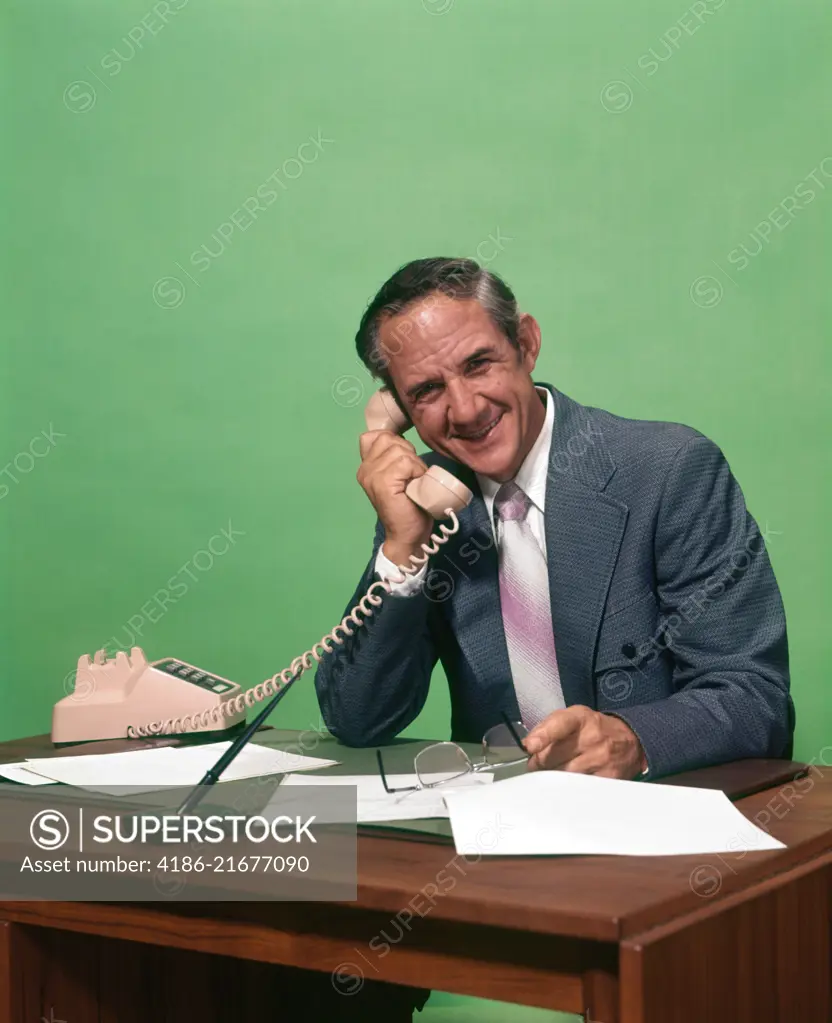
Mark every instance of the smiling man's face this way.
pixel 466 388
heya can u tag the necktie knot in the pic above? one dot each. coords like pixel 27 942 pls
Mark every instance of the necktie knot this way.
pixel 510 502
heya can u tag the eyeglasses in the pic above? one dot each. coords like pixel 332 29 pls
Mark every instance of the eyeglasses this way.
pixel 443 761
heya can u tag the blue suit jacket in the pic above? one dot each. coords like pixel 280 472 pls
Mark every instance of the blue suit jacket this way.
pixel 665 608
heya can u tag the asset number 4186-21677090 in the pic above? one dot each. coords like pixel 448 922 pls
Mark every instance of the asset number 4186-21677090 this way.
pixel 237 864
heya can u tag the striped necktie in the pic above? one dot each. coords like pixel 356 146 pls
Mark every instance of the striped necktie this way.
pixel 527 616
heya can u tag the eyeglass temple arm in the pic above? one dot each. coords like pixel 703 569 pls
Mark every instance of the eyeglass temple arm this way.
pixel 406 788
pixel 513 730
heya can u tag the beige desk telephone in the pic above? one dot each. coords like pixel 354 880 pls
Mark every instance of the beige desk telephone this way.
pixel 116 698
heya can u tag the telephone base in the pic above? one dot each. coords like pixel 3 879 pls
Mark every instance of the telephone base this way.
pixel 112 698
pixel 181 738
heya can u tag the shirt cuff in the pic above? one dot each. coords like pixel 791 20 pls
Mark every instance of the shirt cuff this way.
pixel 388 572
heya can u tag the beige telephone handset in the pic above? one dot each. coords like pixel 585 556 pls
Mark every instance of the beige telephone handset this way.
pixel 111 695
pixel 438 491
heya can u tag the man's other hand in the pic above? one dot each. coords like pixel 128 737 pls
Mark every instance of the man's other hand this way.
pixel 584 740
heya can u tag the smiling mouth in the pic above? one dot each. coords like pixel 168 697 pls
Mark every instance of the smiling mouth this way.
pixel 483 433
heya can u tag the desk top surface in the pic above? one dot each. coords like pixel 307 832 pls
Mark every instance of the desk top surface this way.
pixel 597 897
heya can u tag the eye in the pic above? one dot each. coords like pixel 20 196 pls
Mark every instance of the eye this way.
pixel 476 364
pixel 425 391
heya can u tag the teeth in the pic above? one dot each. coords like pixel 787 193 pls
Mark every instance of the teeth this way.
pixel 482 433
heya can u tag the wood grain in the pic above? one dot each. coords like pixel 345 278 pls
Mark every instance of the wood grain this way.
pixel 468 960
pixel 757 957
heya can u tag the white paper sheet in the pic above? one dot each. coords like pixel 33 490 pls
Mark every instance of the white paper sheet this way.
pixel 148 769
pixel 374 804
pixel 557 812
pixel 19 773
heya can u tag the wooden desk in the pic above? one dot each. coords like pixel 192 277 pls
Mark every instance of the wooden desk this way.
pixel 741 937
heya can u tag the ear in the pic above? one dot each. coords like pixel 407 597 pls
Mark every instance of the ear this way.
pixel 529 339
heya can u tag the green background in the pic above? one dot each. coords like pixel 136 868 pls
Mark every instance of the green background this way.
pixel 622 153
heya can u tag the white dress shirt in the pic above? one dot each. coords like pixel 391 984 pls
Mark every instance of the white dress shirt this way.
pixel 531 478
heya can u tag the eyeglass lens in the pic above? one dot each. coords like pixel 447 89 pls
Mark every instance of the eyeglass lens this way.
pixel 441 762
pixel 498 745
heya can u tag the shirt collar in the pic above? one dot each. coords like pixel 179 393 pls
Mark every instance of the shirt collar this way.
pixel 533 473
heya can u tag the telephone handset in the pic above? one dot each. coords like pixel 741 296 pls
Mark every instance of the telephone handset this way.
pixel 111 694
pixel 436 491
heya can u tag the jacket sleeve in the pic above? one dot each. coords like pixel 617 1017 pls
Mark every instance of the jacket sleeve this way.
pixel 723 624
pixel 375 684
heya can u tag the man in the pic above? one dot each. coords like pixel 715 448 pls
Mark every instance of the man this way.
pixel 607 586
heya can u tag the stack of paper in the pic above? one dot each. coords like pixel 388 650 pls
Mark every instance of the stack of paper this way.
pixel 20 773
pixel 375 804
pixel 558 812
pixel 147 770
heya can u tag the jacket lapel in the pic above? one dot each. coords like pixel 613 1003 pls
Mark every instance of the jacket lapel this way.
pixel 584 529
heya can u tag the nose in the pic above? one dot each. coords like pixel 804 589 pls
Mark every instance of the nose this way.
pixel 466 408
